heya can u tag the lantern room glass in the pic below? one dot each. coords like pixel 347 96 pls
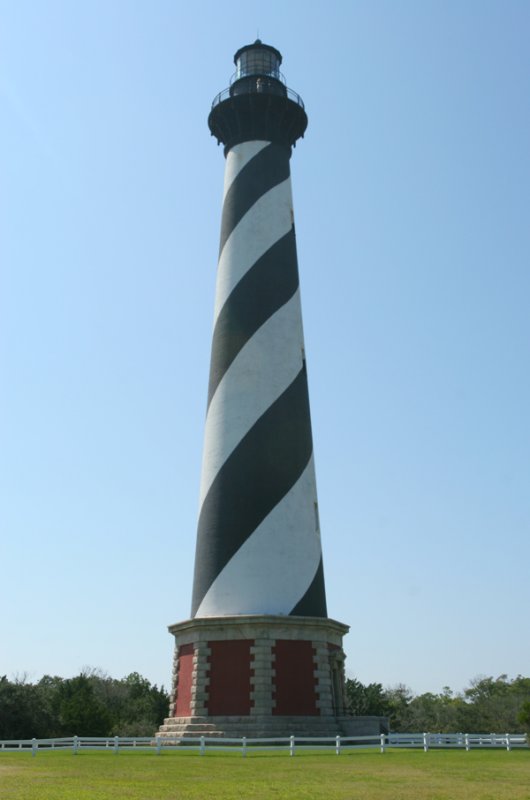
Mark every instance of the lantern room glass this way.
pixel 258 61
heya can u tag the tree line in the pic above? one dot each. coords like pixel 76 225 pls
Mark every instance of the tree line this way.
pixel 90 704
pixel 94 704
pixel 488 705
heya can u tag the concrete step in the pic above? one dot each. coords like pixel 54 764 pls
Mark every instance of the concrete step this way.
pixel 251 727
pixel 178 732
pixel 193 726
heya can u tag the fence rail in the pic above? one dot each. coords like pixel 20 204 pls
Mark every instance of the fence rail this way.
pixel 291 744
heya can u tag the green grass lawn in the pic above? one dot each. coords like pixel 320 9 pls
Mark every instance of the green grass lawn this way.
pixel 366 775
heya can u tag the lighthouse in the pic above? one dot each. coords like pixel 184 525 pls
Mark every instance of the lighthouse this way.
pixel 259 655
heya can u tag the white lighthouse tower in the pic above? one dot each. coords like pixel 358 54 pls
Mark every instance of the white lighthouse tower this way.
pixel 259 655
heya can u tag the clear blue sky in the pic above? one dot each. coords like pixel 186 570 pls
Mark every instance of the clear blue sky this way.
pixel 412 205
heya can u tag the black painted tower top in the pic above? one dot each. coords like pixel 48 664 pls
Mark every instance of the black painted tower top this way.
pixel 257 105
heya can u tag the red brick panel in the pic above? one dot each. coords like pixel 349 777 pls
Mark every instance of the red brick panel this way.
pixel 295 691
pixel 185 676
pixel 230 673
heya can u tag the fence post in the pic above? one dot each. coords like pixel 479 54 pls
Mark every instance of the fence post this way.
pixel 508 742
pixel 291 745
pixel 34 747
pixel 425 742
pixel 383 739
pixel 466 741
pixel 158 745
pixel 75 744
pixel 337 745
pixel 116 743
pixel 244 743
pixel 202 748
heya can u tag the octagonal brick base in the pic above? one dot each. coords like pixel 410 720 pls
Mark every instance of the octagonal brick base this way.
pixel 258 676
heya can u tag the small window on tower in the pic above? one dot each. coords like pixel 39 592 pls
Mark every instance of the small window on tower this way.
pixel 317 520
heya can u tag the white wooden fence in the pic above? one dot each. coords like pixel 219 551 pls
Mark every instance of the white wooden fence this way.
pixel 426 741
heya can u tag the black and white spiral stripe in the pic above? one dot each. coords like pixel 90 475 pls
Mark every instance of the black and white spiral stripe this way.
pixel 258 541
